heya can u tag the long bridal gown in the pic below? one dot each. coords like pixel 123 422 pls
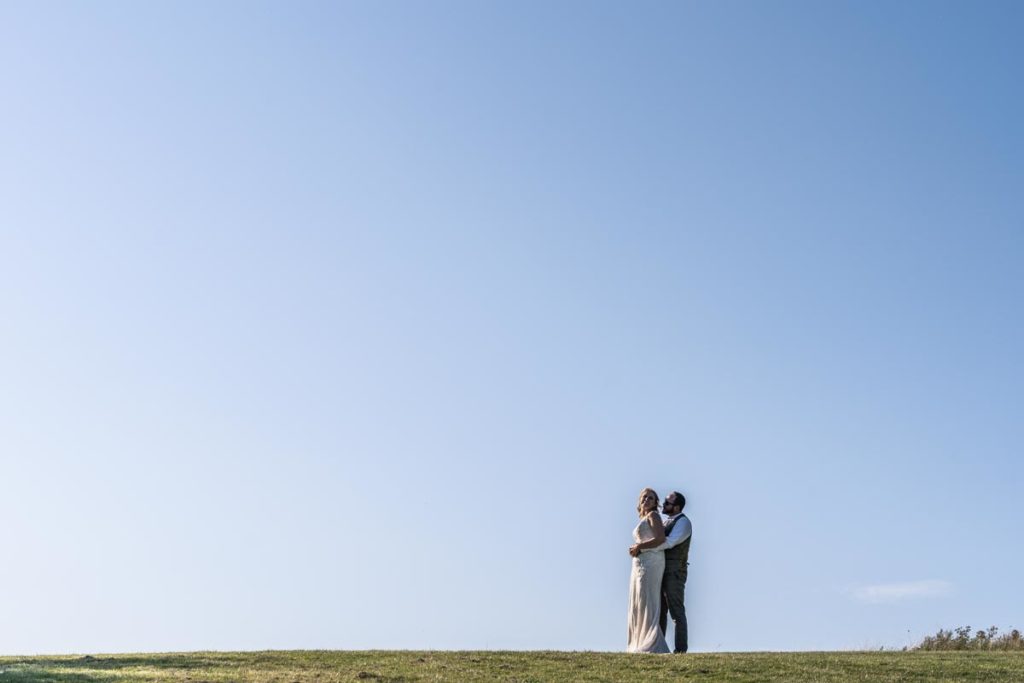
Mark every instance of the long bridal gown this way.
pixel 645 596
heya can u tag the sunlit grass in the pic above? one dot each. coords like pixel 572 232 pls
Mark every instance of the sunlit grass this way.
pixel 521 667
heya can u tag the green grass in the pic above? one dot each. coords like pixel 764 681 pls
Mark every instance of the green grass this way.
pixel 523 667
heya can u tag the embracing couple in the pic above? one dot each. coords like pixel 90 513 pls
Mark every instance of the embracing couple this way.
pixel 658 580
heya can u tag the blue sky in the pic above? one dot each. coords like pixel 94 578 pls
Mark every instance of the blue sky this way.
pixel 339 325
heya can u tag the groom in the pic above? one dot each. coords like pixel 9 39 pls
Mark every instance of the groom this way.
pixel 677 551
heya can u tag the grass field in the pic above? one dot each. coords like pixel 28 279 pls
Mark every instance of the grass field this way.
pixel 391 666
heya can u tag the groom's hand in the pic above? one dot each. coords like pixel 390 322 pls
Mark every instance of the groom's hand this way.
pixel 633 550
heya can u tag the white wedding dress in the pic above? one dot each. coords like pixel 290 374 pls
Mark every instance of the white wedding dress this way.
pixel 645 596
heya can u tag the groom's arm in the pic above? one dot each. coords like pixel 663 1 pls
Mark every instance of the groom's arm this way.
pixel 680 532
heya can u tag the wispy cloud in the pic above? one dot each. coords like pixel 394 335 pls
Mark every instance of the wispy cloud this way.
pixel 895 592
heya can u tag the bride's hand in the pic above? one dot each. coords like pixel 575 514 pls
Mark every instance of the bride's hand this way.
pixel 634 550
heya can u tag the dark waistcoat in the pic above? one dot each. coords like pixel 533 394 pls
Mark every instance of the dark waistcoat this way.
pixel 678 557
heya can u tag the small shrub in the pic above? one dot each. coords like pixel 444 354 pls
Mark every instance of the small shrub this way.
pixel 961 639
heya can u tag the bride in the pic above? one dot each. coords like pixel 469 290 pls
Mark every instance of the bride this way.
pixel 645 580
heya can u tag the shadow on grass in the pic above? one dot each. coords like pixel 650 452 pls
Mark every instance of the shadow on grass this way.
pixel 39 674
pixel 92 669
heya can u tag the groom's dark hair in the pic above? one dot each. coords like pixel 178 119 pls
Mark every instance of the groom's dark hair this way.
pixel 680 499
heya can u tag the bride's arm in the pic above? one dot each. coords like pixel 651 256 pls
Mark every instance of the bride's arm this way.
pixel 654 519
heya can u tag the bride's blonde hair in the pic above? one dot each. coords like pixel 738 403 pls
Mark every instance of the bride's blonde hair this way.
pixel 640 501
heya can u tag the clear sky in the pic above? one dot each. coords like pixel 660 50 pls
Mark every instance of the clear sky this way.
pixel 361 325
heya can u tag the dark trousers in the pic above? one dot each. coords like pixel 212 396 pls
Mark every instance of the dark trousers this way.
pixel 673 586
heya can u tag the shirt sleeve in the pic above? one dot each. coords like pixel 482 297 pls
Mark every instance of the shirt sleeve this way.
pixel 680 532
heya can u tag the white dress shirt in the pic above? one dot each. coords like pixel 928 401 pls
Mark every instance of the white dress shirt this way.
pixel 680 532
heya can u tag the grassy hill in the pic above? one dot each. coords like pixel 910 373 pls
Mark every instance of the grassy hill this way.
pixel 522 667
